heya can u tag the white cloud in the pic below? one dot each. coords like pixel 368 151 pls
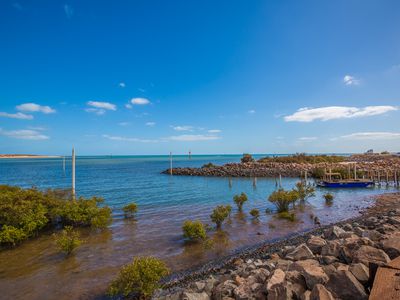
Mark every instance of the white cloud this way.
pixel 140 101
pixel 372 136
pixel 183 128
pixel 193 138
pixel 18 115
pixel 350 80
pixel 128 106
pixel 214 131
pixel 103 105
pixel 69 12
pixel 336 112
pixel 24 134
pixel 122 84
pixel 124 123
pixel 251 111
pixel 97 111
pixel 307 138
pixel 150 124
pixel 128 139
pixel 33 107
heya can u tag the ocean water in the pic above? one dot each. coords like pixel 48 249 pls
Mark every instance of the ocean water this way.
pixel 164 202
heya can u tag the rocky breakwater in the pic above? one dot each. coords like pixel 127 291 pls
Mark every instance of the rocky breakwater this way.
pixel 337 262
pixel 288 169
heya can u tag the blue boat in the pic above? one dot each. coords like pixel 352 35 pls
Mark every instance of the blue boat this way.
pixel 346 184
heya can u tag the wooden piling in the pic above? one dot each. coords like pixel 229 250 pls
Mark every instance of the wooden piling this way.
pixel 73 173
pixel 170 163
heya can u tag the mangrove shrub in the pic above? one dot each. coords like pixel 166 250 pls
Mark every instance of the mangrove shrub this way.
pixel 240 200
pixel 130 210
pixel 219 214
pixel 194 230
pixel 304 191
pixel 67 240
pixel 139 278
pixel 255 213
pixel 282 199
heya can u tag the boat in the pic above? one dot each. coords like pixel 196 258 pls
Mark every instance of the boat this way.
pixel 335 180
pixel 345 183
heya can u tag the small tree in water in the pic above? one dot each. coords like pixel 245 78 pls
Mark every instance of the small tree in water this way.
pixel 139 278
pixel 304 191
pixel 194 230
pixel 282 199
pixel 328 199
pixel 67 240
pixel 130 210
pixel 255 213
pixel 240 200
pixel 219 214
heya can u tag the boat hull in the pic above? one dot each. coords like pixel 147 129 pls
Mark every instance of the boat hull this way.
pixel 343 184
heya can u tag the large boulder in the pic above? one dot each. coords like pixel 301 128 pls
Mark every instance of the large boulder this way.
pixel 334 232
pixel 360 272
pixel 312 272
pixel 345 286
pixel 300 252
pixel 315 244
pixel 332 248
pixel 276 287
pixel 296 284
pixel 260 274
pixel 391 245
pixel 368 254
pixel 319 292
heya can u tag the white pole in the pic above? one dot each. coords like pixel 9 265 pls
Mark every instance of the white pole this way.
pixel 73 173
pixel 64 164
pixel 170 163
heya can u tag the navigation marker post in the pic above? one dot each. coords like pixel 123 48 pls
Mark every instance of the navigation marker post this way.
pixel 73 173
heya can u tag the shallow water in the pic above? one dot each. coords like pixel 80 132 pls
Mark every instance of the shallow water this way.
pixel 35 270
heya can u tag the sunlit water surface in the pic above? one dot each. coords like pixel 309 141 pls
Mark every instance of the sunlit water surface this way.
pixel 35 270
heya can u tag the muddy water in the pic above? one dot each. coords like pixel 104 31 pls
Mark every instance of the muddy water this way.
pixel 35 270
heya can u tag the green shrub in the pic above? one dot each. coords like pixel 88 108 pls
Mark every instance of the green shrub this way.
pixel 302 158
pixel 194 230
pixel 328 199
pixel 130 210
pixel 9 235
pixel 229 209
pixel 287 215
pixel 219 214
pixel 25 212
pixel 304 191
pixel 247 158
pixel 255 213
pixel 282 199
pixel 240 200
pixel 209 165
pixel 141 277
pixel 67 240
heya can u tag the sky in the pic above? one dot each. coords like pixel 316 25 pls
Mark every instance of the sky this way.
pixel 227 76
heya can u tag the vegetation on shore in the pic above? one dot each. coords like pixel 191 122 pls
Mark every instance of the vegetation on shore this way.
pixel 302 158
pixel 194 230
pixel 67 240
pixel 140 278
pixel 219 214
pixel 240 200
pixel 24 213
pixel 130 210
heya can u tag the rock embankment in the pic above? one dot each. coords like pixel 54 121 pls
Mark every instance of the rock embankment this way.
pixel 338 263
pixel 274 169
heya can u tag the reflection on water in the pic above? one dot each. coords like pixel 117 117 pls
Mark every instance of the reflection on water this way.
pixel 35 270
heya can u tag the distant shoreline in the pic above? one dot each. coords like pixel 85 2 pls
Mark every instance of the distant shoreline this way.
pixel 10 156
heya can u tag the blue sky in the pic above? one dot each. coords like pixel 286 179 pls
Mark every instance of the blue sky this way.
pixel 149 77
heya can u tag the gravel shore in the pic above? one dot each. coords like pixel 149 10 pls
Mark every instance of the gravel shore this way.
pixel 329 262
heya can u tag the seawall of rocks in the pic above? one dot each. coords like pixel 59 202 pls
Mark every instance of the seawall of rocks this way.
pixel 331 262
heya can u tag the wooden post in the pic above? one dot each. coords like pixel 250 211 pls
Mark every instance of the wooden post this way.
pixel 73 173
pixel 230 182
pixel 254 181
pixel 64 164
pixel 355 172
pixel 305 177
pixel 280 181
pixel 170 163
pixel 190 154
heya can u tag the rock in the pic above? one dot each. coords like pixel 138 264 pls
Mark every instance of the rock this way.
pixel 242 292
pixel 348 227
pixel 261 274
pixel 195 296
pixel 315 244
pixel 224 289
pixel 332 248
pixel 277 278
pixel 210 282
pixel 333 232
pixel 319 292
pixel 359 231
pixel 300 252
pixel 391 245
pixel 373 235
pixel 368 254
pixel 394 220
pixel 311 271
pixel 341 267
pixel 283 264
pixel 329 269
pixel 371 221
pixel 173 296
pixel 296 284
pixel 198 286
pixel 306 295
pixel 327 260
pixel 360 272
pixel 345 286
